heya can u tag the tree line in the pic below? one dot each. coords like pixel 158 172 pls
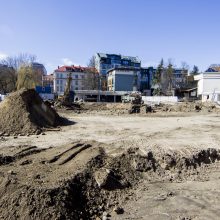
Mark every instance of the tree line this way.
pixel 164 81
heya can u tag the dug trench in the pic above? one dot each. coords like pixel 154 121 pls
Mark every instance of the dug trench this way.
pixel 80 181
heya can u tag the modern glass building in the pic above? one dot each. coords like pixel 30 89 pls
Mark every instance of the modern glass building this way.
pixel 105 62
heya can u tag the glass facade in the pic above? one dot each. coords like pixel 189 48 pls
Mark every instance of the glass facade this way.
pixel 106 62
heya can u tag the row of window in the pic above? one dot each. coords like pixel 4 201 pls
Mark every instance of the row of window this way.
pixel 60 75
pixel 60 82
pixel 61 88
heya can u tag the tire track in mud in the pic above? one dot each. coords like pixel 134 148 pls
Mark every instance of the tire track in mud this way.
pixel 12 154
pixel 51 190
pixel 69 154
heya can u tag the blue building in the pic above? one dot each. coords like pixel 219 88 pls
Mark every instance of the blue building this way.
pixel 105 62
pixel 43 89
pixel 146 78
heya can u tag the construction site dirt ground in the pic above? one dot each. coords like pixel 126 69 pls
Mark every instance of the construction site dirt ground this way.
pixel 194 195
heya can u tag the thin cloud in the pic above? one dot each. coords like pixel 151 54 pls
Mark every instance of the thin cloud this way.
pixel 67 61
pixel 3 56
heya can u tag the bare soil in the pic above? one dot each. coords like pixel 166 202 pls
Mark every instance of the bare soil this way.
pixel 162 165
pixel 24 112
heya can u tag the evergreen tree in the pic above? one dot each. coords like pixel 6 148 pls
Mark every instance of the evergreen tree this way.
pixel 169 73
pixel 195 70
pixel 157 79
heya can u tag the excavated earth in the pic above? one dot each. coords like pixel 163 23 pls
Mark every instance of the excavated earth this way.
pixel 115 167
pixel 24 112
pixel 80 181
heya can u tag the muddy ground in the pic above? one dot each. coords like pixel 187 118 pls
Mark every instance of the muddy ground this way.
pixel 156 166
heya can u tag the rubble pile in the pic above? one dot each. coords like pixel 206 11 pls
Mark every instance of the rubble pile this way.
pixel 24 112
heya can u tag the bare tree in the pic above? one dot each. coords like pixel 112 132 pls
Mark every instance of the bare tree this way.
pixel 7 79
pixel 185 69
pixel 91 62
pixel 12 66
pixel 92 79
pixel 23 59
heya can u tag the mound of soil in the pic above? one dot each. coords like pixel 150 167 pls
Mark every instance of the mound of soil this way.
pixel 79 181
pixel 60 183
pixel 188 107
pixel 24 112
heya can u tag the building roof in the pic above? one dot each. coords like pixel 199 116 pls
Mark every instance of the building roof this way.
pixel 213 69
pixel 124 68
pixel 106 55
pixel 102 55
pixel 74 69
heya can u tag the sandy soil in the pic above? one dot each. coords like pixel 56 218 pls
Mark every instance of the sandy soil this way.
pixel 189 198
pixel 176 132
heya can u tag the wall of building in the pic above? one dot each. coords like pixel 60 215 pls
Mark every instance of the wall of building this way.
pixel 208 82
pixel 124 82
pixel 121 80
pixel 60 80
pixel 209 86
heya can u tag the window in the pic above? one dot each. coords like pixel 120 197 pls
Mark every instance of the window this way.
pixel 76 76
pixel 57 88
pixel 125 62
pixel 76 83
pixel 61 75
pixel 58 81
pixel 76 88
pixel 82 76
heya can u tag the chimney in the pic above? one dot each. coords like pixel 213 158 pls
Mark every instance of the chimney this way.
pixel 58 67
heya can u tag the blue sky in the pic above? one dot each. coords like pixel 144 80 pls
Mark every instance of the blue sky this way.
pixel 71 31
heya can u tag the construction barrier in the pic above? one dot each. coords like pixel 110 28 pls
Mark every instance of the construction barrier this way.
pixel 160 99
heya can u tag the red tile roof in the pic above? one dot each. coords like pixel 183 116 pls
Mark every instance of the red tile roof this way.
pixel 74 69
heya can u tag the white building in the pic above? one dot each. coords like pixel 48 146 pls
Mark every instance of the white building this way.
pixel 209 86
pixel 78 75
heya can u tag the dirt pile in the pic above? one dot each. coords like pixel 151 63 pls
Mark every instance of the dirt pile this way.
pixel 140 108
pixel 24 112
pixel 60 183
pixel 187 107
pixel 79 181
pixel 104 108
